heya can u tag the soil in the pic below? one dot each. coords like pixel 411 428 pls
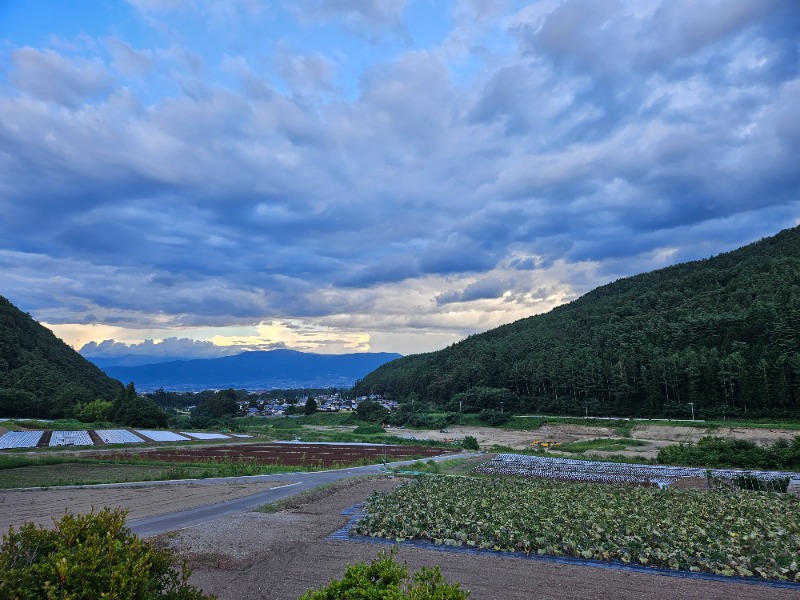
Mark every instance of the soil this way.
pixel 656 436
pixel 323 455
pixel 42 506
pixel 280 556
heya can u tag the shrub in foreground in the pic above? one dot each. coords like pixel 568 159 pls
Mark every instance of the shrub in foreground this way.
pixel 87 557
pixel 384 578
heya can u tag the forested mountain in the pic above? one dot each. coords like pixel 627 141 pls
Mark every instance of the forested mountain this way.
pixel 273 369
pixel 721 333
pixel 40 376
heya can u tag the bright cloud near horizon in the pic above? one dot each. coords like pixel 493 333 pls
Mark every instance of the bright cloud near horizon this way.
pixel 198 177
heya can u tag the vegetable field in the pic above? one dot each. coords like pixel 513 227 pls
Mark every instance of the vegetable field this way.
pixel 746 534
pixel 565 469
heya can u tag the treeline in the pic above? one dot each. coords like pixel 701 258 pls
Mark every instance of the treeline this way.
pixel 42 377
pixel 718 337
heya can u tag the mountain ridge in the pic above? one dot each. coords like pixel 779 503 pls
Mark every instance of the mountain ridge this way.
pixel 40 375
pixel 270 369
pixel 717 336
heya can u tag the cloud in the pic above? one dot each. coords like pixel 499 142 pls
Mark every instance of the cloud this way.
pixel 169 347
pixel 128 60
pixel 372 19
pixel 51 77
pixel 316 163
pixel 484 289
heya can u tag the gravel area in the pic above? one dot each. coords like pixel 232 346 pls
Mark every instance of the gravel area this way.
pixel 279 556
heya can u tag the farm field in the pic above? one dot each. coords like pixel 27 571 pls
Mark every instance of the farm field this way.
pixel 567 469
pixel 280 555
pixel 197 462
pixel 10 440
pixel 77 473
pixel 745 534
pixel 292 454
pixel 289 551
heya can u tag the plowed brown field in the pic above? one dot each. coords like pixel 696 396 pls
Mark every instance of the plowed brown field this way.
pixel 304 454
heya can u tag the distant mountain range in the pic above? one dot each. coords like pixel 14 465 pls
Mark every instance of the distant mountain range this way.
pixel 133 360
pixel 273 369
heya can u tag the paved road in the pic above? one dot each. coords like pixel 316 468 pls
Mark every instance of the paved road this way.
pixel 294 483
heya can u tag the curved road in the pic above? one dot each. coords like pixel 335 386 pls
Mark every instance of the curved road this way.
pixel 294 483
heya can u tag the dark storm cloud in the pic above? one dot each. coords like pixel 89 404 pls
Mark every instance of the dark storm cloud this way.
pixel 482 289
pixel 232 187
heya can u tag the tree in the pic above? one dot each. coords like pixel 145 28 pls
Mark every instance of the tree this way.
pixel 311 406
pixel 214 408
pixel 68 396
pixel 131 409
pixel 470 443
pixel 493 417
pixel 93 412
pixel 371 411
pixel 19 403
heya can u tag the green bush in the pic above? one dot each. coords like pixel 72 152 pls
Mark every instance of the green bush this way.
pixel 384 578
pixel 717 452
pixel 87 557
pixel 470 443
pixel 493 417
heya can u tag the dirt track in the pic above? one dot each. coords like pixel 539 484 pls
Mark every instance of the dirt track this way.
pixel 279 556
pixel 42 506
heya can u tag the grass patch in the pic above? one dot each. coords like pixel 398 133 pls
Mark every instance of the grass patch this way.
pixel 313 495
pixel 286 423
pixel 455 466
pixel 601 444
pixel 332 419
pixel 78 473
pixel 369 430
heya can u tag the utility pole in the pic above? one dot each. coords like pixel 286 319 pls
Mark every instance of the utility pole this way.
pixel 692 405
pixel 501 408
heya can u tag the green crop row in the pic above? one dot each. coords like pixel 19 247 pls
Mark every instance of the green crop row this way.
pixel 746 534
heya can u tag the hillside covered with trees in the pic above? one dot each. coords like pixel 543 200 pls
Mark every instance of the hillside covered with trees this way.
pixel 40 376
pixel 718 336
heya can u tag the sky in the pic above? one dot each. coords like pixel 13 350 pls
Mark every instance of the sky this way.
pixel 200 177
